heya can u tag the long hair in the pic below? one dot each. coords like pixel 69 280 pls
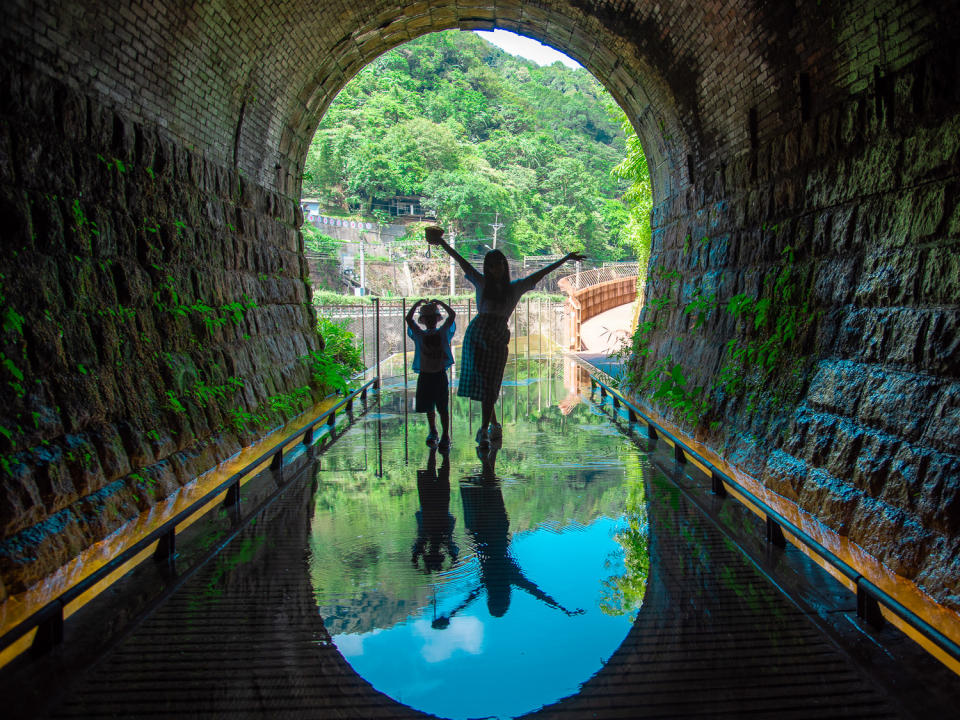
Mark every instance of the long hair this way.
pixel 496 274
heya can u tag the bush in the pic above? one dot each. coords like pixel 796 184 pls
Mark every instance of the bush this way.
pixel 318 242
pixel 334 366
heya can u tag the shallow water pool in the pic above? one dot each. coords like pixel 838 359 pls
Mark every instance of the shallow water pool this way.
pixel 482 584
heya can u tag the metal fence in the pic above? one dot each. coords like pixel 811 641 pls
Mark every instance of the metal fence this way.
pixel 536 326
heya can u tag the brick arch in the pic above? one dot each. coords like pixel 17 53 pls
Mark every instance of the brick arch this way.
pixel 177 131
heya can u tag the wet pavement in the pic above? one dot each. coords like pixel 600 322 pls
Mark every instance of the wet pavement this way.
pixel 575 571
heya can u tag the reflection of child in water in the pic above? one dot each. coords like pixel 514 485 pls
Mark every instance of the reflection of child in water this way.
pixel 485 517
pixel 434 521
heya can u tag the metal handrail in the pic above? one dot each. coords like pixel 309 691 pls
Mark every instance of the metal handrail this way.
pixel 869 595
pixel 49 619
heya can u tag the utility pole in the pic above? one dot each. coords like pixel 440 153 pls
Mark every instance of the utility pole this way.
pixel 453 244
pixel 363 268
pixel 496 225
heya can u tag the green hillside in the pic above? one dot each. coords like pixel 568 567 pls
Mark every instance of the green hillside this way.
pixel 476 132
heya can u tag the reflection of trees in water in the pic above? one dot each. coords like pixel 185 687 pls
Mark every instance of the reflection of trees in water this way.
pixel 624 593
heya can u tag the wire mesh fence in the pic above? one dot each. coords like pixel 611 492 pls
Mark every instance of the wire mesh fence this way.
pixel 537 326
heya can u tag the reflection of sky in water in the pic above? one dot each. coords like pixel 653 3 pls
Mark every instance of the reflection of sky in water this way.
pixel 480 665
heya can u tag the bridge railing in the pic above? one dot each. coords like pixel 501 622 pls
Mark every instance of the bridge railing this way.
pixel 870 597
pixel 585 278
pixel 49 619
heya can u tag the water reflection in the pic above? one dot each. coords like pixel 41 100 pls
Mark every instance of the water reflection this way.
pixel 512 568
pixel 434 522
pixel 485 516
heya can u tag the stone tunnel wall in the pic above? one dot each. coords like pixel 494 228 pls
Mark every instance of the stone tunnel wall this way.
pixel 847 227
pixel 826 126
pixel 152 303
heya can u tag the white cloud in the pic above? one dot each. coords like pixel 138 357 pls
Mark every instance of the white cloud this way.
pixel 351 645
pixel 527 48
pixel 464 634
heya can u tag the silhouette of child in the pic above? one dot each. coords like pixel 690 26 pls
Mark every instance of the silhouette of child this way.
pixel 486 341
pixel 431 358
pixel 434 522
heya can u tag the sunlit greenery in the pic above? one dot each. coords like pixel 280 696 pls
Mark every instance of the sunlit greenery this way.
pixel 318 242
pixel 624 593
pixel 482 135
pixel 636 231
pixel 335 365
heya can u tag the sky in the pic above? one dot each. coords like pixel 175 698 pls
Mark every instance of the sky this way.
pixel 527 48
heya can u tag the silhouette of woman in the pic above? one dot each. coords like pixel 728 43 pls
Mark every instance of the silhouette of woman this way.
pixel 486 339
pixel 485 518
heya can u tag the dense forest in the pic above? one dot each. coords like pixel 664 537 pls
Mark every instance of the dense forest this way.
pixel 484 137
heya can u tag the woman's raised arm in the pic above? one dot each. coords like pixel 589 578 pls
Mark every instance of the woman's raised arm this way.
pixel 435 237
pixel 535 277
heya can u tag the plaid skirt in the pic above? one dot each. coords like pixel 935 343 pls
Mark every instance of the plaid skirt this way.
pixel 484 357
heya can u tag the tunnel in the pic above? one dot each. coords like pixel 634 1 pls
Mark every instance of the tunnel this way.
pixel 804 164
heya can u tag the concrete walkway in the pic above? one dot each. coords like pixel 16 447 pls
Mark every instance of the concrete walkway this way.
pixel 607 332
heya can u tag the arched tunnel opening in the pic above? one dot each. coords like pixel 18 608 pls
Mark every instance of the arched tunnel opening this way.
pixel 801 312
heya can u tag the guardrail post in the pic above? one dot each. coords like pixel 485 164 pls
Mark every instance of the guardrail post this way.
pixel 49 632
pixel 166 547
pixel 233 495
pixel 775 533
pixel 616 401
pixel 308 437
pixel 631 415
pixel 603 392
pixel 376 306
pixel 231 503
pixel 678 454
pixel 276 464
pixel 716 485
pixel 332 419
pixel 868 608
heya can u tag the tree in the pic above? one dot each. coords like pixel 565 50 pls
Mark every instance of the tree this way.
pixel 476 132
pixel 639 197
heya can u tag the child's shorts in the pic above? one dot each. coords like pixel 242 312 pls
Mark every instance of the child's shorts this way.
pixel 431 391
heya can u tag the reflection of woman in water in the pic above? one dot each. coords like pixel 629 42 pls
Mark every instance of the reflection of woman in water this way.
pixel 485 517
pixel 434 521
